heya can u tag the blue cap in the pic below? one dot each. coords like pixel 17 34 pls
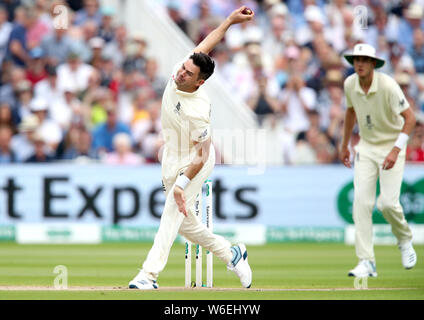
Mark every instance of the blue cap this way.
pixel 36 53
pixel 173 4
pixel 107 11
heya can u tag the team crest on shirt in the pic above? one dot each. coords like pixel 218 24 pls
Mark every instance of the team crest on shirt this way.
pixel 203 134
pixel 177 108
pixel 370 125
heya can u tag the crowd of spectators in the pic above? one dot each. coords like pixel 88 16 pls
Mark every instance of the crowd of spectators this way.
pixel 90 92
pixel 80 91
pixel 287 64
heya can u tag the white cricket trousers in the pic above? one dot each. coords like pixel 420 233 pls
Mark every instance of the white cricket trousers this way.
pixel 368 168
pixel 173 222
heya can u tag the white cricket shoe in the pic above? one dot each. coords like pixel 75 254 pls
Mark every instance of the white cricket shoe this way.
pixel 409 257
pixel 240 265
pixel 365 268
pixel 142 282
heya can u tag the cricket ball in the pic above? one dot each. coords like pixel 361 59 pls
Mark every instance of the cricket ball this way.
pixel 247 11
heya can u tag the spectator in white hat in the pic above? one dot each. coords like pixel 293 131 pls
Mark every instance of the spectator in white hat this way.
pixel 316 25
pixel 48 89
pixel 22 143
pixel 68 109
pixel 75 71
pixel 279 23
pixel 41 150
pixel 49 130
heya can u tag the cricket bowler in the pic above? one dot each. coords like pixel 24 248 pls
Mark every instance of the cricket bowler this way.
pixel 376 102
pixel 188 160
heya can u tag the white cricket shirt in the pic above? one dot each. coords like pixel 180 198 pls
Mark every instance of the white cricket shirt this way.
pixel 378 111
pixel 185 119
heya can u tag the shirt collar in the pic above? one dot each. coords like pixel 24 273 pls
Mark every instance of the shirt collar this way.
pixel 373 87
pixel 183 93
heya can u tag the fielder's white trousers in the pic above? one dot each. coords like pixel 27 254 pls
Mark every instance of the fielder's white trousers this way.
pixel 173 222
pixel 368 168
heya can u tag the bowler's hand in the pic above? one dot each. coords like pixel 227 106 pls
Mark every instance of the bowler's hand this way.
pixel 391 158
pixel 180 200
pixel 345 157
pixel 237 17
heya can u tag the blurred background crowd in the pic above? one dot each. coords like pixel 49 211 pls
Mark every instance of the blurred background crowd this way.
pixel 90 91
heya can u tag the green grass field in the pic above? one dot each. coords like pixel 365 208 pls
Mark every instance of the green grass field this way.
pixel 280 271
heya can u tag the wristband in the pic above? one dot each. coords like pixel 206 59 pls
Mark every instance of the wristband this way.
pixel 401 140
pixel 182 181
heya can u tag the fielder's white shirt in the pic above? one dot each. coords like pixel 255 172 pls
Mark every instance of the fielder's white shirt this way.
pixel 379 111
pixel 185 119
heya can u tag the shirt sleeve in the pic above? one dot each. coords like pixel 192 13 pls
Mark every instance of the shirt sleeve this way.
pixel 346 91
pixel 200 129
pixel 18 34
pixel 201 132
pixel 397 99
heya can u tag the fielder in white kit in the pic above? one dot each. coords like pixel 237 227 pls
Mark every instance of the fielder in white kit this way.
pixel 376 102
pixel 188 160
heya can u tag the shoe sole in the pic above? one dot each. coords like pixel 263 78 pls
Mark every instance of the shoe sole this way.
pixel 133 286
pixel 372 275
pixel 410 267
